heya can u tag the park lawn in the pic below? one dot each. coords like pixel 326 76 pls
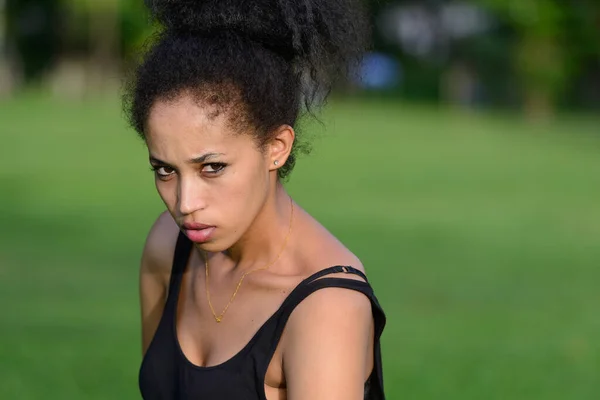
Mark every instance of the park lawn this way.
pixel 480 234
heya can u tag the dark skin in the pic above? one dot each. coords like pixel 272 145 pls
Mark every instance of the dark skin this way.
pixel 236 190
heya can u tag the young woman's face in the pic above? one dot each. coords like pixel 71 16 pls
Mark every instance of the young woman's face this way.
pixel 213 181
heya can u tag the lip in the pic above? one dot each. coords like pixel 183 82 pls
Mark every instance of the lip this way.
pixel 198 233
pixel 193 226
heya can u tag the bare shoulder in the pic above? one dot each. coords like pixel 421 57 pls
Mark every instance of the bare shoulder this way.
pixel 328 344
pixel 336 307
pixel 331 313
pixel 322 249
pixel 155 272
pixel 160 244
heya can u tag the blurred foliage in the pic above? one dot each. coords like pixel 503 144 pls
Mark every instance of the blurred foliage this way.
pixel 133 19
pixel 540 53
pixel 553 40
pixel 135 26
pixel 32 29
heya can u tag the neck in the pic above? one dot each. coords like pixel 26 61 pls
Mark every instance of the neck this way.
pixel 265 239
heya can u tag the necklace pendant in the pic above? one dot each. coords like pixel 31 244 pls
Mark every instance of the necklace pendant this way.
pixel 218 319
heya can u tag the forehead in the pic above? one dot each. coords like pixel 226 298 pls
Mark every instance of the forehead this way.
pixel 185 126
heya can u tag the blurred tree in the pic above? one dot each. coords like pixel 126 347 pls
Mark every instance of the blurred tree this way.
pixel 544 59
pixel 6 64
pixel 136 26
pixel 539 53
pixel 583 47
pixel 104 37
pixel 32 33
pixel 97 37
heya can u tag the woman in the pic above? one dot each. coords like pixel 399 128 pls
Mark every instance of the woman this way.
pixel 243 294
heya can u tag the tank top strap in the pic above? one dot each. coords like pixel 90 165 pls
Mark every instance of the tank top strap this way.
pixel 319 281
pixel 334 270
pixel 310 285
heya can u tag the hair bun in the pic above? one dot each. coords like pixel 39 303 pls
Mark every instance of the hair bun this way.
pixel 322 38
pixel 260 20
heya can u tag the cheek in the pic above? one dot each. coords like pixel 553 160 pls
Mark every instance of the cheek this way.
pixel 167 192
pixel 246 192
pixel 243 189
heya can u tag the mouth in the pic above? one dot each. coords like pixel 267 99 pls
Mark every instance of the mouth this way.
pixel 198 233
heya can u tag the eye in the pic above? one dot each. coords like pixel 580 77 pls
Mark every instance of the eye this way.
pixel 163 171
pixel 213 168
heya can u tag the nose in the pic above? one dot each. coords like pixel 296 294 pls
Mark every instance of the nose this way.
pixel 191 196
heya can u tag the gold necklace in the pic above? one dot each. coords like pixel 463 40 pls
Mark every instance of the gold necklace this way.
pixel 219 317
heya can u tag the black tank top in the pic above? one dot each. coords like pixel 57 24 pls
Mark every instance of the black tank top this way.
pixel 166 374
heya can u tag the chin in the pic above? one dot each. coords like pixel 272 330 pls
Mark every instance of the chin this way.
pixel 212 246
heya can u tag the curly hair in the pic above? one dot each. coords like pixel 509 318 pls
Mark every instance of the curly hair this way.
pixel 264 62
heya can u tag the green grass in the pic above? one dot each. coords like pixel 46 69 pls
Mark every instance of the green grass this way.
pixel 480 234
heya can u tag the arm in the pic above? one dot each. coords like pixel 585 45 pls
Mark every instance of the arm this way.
pixel 328 346
pixel 155 272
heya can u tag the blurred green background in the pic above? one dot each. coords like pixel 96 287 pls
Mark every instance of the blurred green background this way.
pixel 476 217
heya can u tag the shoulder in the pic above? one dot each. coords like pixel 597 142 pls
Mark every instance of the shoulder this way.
pixel 155 273
pixel 319 248
pixel 157 256
pixel 320 251
pixel 336 309
pixel 328 342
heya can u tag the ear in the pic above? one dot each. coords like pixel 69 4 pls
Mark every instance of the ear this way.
pixel 280 147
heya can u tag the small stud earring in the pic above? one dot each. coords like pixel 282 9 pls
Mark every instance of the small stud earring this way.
pixel 276 162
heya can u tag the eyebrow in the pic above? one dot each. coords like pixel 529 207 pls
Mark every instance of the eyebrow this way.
pixel 197 160
pixel 203 158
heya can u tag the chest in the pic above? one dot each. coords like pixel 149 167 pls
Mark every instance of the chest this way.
pixel 168 372
pixel 245 335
